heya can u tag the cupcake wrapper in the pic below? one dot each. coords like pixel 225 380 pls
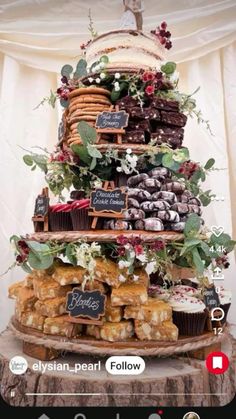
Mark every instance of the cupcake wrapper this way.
pixel 190 324
pixel 80 219
pixel 60 221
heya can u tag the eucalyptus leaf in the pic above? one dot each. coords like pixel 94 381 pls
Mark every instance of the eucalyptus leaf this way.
pixel 167 160
pixel 93 151
pixel 64 103
pixel 115 95
pixel 192 225
pixel 82 152
pixel 209 164
pixel 81 69
pixel 26 268
pixel 168 68
pixel 38 247
pixel 70 253
pixel 28 160
pixel 93 163
pixel 66 70
pixel 205 199
pixel 198 261
pixel 104 59
pixel 38 261
pixel 88 134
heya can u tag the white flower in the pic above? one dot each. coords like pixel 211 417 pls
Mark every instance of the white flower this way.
pixel 119 169
pixel 117 75
pixel 90 79
pixel 141 257
pixel 135 278
pixel 97 67
pixel 117 89
pixel 129 151
pixel 93 70
pixel 174 77
pixel 102 65
pixel 150 268
pixel 98 80
pixel 121 264
pixel 117 84
pixel 124 264
pixel 95 247
pixel 102 76
pixel 122 278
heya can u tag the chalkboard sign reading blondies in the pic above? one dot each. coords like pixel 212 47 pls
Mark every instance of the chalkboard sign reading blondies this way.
pixel 112 120
pixel 41 206
pixel 211 297
pixel 86 304
pixel 103 200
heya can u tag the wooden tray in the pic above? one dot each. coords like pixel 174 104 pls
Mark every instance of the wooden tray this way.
pixel 104 236
pixel 91 346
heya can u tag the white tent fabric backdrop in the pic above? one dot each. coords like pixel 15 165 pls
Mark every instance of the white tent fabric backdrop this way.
pixel 38 37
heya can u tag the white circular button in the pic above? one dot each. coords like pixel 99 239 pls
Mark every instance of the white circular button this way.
pixel 125 365
pixel 191 415
pixel 154 416
pixel 80 416
pixel 18 365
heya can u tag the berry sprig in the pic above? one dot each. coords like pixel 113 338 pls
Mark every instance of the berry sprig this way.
pixel 163 35
pixel 24 252
pixel 188 168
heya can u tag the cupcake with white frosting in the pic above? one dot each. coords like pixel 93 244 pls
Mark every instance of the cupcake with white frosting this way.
pixel 185 290
pixel 189 314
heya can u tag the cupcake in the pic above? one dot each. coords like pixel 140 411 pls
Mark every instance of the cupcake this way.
pixel 185 290
pixel 60 218
pixel 225 297
pixel 79 215
pixel 189 314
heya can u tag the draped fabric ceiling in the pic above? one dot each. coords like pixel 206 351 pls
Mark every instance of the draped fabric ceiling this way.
pixel 38 36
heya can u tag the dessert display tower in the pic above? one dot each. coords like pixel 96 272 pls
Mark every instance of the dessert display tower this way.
pixel 125 265
pixel 121 268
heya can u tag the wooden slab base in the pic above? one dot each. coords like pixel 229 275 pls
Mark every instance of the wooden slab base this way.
pixel 39 351
pixel 132 346
pixel 173 381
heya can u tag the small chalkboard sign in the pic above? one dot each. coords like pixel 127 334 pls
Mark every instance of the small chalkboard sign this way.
pixel 41 206
pixel 88 304
pixel 110 200
pixel 112 120
pixel 211 298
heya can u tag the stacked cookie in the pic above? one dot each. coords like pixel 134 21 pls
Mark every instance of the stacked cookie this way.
pixel 156 203
pixel 85 105
pixel 159 120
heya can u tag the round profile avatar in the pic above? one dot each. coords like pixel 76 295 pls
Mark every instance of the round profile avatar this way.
pixel 191 415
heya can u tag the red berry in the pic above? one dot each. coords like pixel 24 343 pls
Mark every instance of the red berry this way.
pixel 168 34
pixel 168 45
pixel 164 25
pixel 162 32
pixel 162 40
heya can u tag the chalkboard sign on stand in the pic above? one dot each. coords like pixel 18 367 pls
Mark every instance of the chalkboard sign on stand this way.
pixel 112 122
pixel 83 305
pixel 40 218
pixel 107 202
pixel 211 298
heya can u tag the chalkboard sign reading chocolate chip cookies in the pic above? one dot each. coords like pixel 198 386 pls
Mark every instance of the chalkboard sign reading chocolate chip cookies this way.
pixel 112 120
pixel 211 298
pixel 86 304
pixel 111 200
pixel 41 206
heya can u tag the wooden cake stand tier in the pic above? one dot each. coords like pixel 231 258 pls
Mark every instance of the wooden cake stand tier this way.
pixel 104 236
pixel 132 346
pixel 174 381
